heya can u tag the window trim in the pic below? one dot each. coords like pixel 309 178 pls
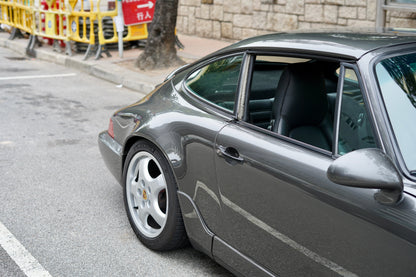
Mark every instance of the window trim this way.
pixel 243 86
pixel 246 92
pixel 337 115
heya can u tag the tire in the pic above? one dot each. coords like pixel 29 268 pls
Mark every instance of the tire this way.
pixel 150 198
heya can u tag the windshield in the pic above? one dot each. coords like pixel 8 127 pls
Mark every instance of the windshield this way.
pixel 397 80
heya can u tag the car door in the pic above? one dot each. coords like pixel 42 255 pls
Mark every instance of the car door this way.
pixel 212 87
pixel 285 217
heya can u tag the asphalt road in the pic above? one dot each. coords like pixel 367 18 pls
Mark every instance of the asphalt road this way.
pixel 57 198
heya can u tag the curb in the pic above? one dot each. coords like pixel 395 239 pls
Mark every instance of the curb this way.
pixel 109 72
pixel 6 43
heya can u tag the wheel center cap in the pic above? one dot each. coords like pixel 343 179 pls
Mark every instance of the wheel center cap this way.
pixel 144 194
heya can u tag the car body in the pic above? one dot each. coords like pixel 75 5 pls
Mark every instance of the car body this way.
pixel 290 154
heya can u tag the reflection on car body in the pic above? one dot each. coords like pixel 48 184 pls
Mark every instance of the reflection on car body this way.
pixel 288 154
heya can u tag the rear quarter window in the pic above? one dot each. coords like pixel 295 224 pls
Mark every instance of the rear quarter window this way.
pixel 217 82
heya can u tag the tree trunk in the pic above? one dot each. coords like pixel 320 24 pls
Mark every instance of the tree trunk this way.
pixel 160 51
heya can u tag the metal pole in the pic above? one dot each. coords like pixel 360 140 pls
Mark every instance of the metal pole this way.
pixel 120 28
pixel 381 14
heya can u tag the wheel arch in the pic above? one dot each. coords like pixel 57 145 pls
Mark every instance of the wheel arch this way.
pixel 135 138
pixel 132 140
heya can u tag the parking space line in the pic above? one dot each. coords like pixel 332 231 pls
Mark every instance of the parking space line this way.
pixel 37 76
pixel 26 262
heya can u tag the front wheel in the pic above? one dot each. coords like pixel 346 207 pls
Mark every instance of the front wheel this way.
pixel 150 198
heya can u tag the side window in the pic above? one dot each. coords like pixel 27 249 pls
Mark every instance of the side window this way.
pixel 266 73
pixel 294 97
pixel 265 77
pixel 355 130
pixel 217 82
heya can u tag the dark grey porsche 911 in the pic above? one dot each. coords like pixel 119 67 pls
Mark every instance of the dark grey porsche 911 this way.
pixel 289 154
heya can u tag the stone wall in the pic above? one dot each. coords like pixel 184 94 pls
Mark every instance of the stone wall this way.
pixel 238 19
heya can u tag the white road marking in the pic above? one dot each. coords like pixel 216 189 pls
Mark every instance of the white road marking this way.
pixel 37 76
pixel 27 263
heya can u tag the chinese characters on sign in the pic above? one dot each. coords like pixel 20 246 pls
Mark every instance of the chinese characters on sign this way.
pixel 138 11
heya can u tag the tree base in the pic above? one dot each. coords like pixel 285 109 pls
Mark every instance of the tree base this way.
pixel 151 62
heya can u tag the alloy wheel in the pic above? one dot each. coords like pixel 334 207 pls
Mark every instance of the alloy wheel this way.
pixel 146 192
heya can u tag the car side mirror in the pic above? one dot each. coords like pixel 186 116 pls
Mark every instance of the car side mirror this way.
pixel 368 168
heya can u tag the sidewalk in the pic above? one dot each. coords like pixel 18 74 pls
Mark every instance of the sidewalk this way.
pixel 120 71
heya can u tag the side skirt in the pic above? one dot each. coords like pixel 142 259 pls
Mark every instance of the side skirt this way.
pixel 235 261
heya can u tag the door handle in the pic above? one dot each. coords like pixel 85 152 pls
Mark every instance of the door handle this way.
pixel 230 153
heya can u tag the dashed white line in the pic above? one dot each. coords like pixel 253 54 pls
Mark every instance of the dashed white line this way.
pixel 26 262
pixel 37 76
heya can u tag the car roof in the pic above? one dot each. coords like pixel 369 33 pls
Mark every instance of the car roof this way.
pixel 344 43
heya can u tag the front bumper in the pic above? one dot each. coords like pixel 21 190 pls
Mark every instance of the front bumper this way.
pixel 112 155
